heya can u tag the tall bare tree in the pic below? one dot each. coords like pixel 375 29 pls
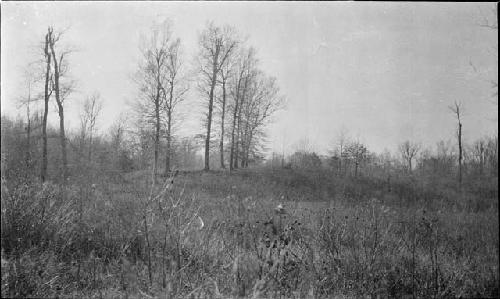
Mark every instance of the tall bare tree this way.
pixel 236 101
pixel 153 79
pixel 61 90
pixel 263 101
pixel 225 73
pixel 457 110
pixel 216 44
pixel 177 87
pixel 47 93
pixel 239 123
pixel 246 67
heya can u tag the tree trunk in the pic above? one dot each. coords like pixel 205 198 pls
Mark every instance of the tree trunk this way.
pixel 247 155
pixel 157 134
pixel 282 159
pixel 28 132
pixel 238 130
pixel 340 162
pixel 62 133
pixel 456 111
pixel 81 147
pixel 62 136
pixel 90 146
pixel 247 151
pixel 460 153
pixel 157 121
pixel 233 129
pixel 210 108
pixel 169 129
pixel 481 160
pixel 222 124
pixel 209 127
pixel 242 153
pixel 169 135
pixel 43 170
pixel 246 144
pixel 236 145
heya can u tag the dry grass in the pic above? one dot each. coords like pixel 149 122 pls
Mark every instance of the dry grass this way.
pixel 334 238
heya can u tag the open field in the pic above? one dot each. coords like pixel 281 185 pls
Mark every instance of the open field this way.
pixel 227 149
pixel 220 235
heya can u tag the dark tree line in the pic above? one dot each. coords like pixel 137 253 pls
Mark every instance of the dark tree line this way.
pixel 455 164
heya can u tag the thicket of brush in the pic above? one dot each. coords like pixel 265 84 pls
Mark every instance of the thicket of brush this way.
pixel 221 235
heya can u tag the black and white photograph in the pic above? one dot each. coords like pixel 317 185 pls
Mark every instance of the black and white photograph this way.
pixel 249 149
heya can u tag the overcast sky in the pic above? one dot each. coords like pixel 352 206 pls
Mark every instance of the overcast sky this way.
pixel 385 71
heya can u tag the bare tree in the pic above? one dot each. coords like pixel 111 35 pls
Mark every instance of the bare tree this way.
pixel 176 90
pixel 492 154
pixel 457 110
pixel 120 151
pixel 479 153
pixel 117 132
pixel 152 79
pixel 27 100
pixel 217 44
pixel 239 133
pixel 157 79
pixel 245 70
pixel 340 143
pixel 409 150
pixel 91 109
pixel 62 90
pixel 225 73
pixel 263 101
pixel 47 93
